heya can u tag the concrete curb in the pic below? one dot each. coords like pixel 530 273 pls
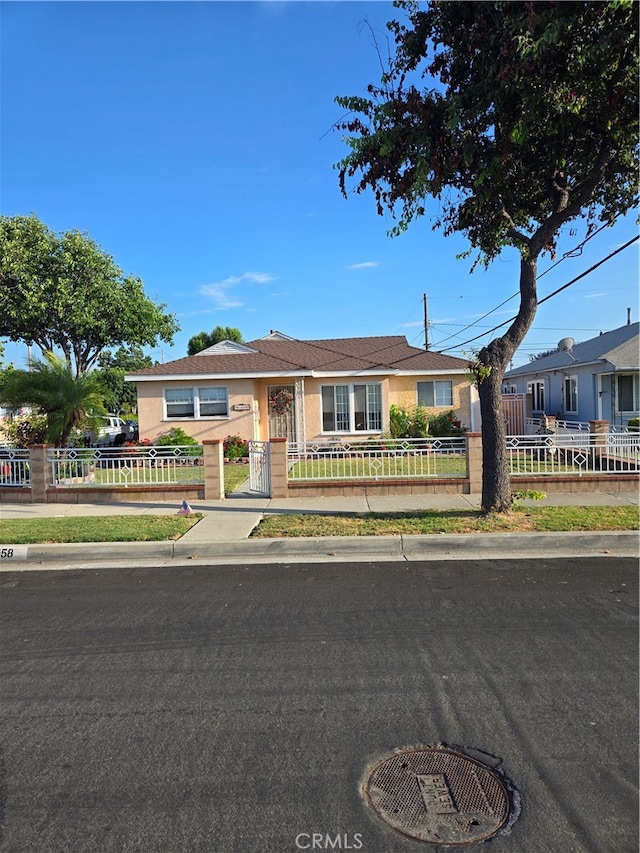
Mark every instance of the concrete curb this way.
pixel 320 549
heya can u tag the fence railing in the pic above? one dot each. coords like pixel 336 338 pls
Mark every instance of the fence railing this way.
pixel 560 427
pixel 578 454
pixel 14 467
pixel 378 459
pixel 45 469
pixel 125 467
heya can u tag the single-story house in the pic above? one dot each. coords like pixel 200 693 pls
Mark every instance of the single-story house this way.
pixel 278 386
pixel 597 379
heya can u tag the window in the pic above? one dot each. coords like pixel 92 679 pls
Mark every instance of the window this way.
pixel 437 393
pixel 179 402
pixel 628 393
pixel 571 394
pixel 213 402
pixel 196 402
pixel 351 408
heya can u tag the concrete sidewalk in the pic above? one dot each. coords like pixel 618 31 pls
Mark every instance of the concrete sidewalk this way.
pixel 222 535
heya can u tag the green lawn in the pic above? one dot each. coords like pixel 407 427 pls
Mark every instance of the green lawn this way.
pixel 108 528
pixel 521 519
pixel 147 528
pixel 234 476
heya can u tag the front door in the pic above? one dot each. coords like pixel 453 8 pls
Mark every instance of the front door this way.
pixel 281 406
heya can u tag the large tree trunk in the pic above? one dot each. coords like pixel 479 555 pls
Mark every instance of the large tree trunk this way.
pixel 496 483
pixel 492 363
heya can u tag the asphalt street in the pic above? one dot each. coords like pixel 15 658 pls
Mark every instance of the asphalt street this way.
pixel 238 709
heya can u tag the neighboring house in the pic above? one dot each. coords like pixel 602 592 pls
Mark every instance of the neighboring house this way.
pixel 597 379
pixel 305 390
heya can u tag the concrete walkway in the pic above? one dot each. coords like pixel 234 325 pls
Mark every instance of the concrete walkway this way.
pixel 222 535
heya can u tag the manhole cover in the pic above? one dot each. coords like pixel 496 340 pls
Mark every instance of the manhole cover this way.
pixel 438 795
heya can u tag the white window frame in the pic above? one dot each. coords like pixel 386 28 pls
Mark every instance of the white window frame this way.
pixel 182 397
pixel 570 392
pixel 441 390
pixel 344 398
pixel 198 397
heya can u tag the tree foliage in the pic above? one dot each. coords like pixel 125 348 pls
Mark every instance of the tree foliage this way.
pixel 62 291
pixel 515 118
pixel 53 390
pixel 120 397
pixel 203 340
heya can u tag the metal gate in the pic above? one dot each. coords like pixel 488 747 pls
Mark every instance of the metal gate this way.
pixel 260 467
pixel 514 410
pixel 283 425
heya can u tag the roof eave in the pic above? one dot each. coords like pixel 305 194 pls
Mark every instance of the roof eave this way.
pixel 195 377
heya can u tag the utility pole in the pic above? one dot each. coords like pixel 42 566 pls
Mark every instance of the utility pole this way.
pixel 427 345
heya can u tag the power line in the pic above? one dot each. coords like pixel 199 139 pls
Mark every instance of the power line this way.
pixel 553 293
pixel 571 253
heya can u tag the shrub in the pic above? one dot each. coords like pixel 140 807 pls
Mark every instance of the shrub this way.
pixel 235 447
pixel 444 424
pixel 176 437
pixel 418 423
pixel 405 423
pixel 25 430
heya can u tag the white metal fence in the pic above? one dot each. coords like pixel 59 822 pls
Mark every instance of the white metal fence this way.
pixel 555 454
pixel 260 467
pixel 378 458
pixel 573 454
pixel 535 426
pixel 125 467
pixel 14 467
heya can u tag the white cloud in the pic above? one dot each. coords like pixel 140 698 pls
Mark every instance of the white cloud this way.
pixel 218 291
pixel 363 265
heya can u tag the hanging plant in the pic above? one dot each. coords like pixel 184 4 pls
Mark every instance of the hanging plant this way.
pixel 281 401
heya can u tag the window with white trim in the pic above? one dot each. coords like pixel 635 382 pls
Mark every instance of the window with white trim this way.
pixel 571 394
pixel 435 393
pixel 351 408
pixel 213 402
pixel 179 402
pixel 194 403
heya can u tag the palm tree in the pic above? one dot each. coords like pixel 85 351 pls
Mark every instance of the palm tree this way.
pixel 52 389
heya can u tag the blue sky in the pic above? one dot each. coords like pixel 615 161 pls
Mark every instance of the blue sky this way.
pixel 194 143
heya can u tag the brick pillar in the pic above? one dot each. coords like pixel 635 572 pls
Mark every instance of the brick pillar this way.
pixel 599 430
pixel 278 462
pixel 212 458
pixel 474 462
pixel 598 427
pixel 39 471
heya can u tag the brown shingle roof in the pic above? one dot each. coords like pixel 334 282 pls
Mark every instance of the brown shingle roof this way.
pixel 388 353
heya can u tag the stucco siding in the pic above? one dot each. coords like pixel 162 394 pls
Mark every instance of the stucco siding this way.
pixel 253 422
pixel 404 393
pixel 153 423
